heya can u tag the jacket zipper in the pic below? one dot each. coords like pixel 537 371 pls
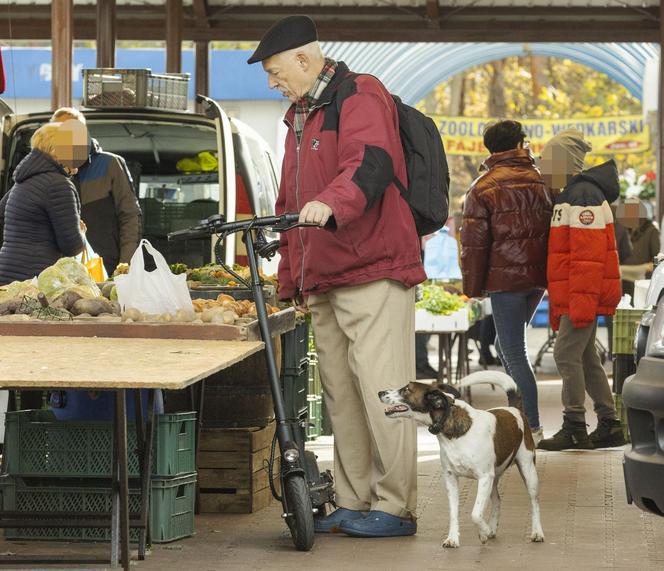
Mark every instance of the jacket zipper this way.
pixel 297 186
pixel 297 198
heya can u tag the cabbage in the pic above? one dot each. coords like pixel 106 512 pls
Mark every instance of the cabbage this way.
pixel 76 271
pixel 53 281
pixel 16 289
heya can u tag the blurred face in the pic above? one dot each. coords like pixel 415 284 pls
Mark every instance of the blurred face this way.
pixel 290 72
pixel 556 166
pixel 629 214
pixel 72 145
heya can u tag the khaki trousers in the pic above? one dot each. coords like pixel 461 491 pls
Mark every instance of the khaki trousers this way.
pixel 365 338
pixel 582 371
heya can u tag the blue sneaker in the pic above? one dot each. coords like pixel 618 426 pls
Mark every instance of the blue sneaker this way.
pixel 379 524
pixel 332 522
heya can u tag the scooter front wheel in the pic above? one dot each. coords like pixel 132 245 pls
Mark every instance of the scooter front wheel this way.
pixel 300 517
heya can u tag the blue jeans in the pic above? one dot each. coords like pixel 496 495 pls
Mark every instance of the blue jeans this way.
pixel 512 312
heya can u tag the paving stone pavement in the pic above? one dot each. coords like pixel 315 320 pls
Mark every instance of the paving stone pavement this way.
pixel 586 519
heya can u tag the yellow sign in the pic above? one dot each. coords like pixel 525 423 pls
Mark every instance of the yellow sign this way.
pixel 608 135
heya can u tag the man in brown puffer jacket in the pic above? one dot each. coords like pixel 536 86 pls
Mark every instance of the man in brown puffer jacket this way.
pixel 506 219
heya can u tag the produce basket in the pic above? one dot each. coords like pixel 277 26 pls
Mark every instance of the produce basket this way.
pixel 113 88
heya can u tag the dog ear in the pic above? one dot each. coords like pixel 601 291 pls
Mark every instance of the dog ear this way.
pixel 449 389
pixel 436 399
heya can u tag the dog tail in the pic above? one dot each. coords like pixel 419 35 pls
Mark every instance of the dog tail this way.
pixel 499 378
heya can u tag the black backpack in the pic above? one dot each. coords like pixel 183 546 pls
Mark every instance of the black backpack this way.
pixel 427 193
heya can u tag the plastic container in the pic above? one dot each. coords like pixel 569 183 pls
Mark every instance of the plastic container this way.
pixel 98 405
pixel 114 88
pixel 314 426
pixel 295 389
pixel 295 349
pixel 625 324
pixel 171 507
pixel 37 444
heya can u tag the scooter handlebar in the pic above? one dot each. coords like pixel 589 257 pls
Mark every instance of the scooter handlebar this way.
pixel 216 225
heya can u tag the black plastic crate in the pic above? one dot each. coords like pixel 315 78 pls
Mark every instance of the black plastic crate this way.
pixel 295 389
pixel 294 348
pixel 623 367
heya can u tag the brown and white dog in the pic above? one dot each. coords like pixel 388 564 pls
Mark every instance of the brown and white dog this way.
pixel 479 444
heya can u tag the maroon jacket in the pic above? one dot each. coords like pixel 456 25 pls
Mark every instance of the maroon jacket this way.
pixel 347 159
pixel 506 218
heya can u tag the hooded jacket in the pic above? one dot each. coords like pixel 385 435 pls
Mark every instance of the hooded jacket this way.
pixel 40 219
pixel 349 153
pixel 109 206
pixel 582 268
pixel 506 218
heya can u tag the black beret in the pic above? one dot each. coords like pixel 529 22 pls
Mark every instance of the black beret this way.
pixel 286 34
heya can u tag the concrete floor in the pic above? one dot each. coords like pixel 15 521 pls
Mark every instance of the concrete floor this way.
pixel 585 516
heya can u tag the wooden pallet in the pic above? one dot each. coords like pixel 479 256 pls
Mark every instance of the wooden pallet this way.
pixel 232 471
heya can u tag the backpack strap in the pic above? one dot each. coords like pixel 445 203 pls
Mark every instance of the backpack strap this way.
pixel 344 90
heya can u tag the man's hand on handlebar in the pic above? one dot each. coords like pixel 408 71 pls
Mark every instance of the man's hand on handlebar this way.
pixel 300 303
pixel 315 212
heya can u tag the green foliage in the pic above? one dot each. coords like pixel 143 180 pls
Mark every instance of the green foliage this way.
pixel 436 300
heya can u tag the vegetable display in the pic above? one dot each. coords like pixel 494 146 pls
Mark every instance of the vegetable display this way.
pixel 440 302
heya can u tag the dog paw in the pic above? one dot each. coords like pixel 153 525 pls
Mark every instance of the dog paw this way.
pixel 451 543
pixel 537 537
pixel 492 534
pixel 484 537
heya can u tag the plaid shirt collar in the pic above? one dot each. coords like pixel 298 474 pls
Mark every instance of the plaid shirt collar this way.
pixel 309 99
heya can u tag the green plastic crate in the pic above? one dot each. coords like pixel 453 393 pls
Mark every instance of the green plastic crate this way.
pixel 295 388
pixel 171 507
pixel 625 324
pixel 315 417
pixel 39 445
pixel 315 387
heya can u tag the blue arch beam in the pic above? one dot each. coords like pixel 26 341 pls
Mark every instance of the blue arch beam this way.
pixel 413 69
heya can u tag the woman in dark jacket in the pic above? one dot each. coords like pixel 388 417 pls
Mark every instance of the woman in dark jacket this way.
pixel 40 213
pixel 506 218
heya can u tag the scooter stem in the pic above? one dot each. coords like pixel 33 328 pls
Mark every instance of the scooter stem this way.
pixel 284 432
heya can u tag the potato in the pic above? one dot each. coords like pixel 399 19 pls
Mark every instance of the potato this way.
pixel 92 306
pixel 117 310
pixel 11 305
pixel 183 316
pixel 66 300
pixel 230 317
pixel 209 313
pixel 133 314
pixel 218 319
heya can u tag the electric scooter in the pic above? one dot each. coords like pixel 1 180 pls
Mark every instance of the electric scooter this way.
pixel 305 490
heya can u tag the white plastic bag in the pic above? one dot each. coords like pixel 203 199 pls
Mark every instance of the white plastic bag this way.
pixel 155 292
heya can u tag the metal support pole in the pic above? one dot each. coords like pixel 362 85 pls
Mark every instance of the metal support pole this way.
pixel 106 33
pixel 174 36
pixel 62 34
pixel 123 479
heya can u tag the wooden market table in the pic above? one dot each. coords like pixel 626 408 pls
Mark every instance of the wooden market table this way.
pixel 118 364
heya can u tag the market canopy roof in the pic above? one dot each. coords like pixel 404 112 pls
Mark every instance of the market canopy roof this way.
pixel 362 20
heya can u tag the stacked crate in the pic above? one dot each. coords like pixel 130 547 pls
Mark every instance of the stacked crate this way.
pixel 233 470
pixel 56 465
pixel 625 325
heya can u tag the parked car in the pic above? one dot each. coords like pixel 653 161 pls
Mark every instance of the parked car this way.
pixel 643 398
pixel 244 182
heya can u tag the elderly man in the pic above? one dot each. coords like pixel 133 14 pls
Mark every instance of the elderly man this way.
pixel 108 202
pixel 357 278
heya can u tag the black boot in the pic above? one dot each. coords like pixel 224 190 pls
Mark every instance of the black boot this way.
pixel 609 433
pixel 572 436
